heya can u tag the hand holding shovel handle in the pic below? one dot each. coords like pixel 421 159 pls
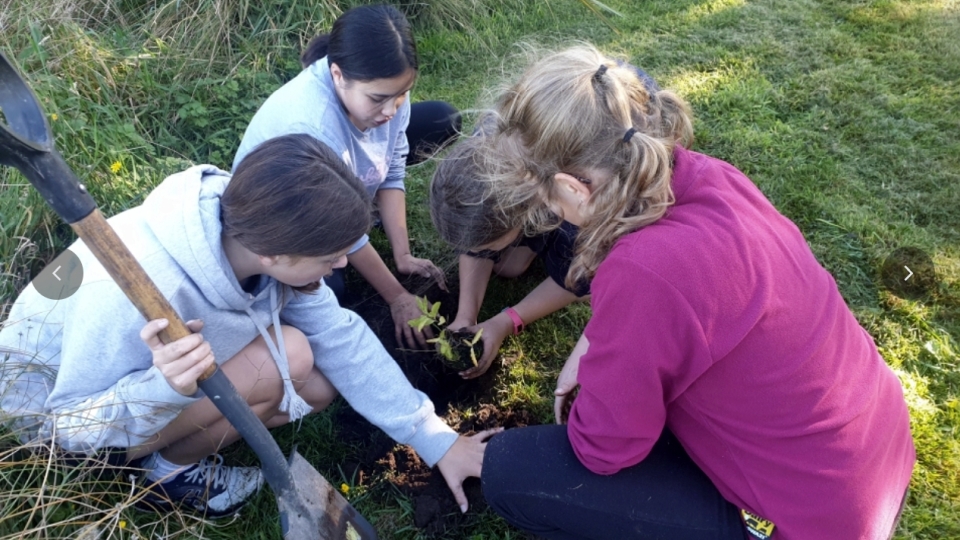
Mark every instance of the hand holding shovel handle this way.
pixel 310 508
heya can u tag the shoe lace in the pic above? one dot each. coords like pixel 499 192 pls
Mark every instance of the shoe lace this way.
pixel 209 472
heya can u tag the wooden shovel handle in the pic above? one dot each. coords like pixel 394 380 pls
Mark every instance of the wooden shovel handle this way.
pixel 97 234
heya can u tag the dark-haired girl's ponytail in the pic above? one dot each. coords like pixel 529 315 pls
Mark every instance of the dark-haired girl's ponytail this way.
pixel 366 42
pixel 316 49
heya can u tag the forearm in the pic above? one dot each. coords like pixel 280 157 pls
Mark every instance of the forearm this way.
pixel 579 349
pixel 368 262
pixel 351 357
pixel 392 204
pixel 474 277
pixel 542 301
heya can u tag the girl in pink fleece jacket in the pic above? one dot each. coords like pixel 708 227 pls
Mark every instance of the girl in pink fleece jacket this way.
pixel 725 389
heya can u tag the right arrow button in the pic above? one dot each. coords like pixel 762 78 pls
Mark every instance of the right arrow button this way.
pixel 908 272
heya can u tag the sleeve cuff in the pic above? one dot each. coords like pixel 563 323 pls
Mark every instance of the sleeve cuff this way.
pixel 432 439
pixel 164 393
pixel 360 243
pixel 392 184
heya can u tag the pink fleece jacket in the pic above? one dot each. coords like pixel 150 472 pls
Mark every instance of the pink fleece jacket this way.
pixel 718 322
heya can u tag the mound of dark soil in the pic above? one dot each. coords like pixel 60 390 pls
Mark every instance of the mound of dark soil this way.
pixel 435 510
pixel 422 367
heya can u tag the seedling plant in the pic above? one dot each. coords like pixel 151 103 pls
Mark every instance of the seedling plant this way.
pixel 455 347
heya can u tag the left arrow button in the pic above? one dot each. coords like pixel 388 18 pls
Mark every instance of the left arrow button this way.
pixel 61 278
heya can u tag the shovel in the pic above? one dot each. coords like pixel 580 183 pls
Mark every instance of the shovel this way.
pixel 310 508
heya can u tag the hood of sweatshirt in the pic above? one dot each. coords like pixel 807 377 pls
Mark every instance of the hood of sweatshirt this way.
pixel 183 213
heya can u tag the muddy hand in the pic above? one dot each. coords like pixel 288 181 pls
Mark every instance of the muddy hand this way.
pixel 567 381
pixel 464 459
pixel 565 392
pixel 408 264
pixel 403 310
pixel 563 402
pixel 460 324
pixel 183 361
pixel 495 330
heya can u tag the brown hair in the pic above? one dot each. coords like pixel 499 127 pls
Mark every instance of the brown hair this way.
pixel 293 196
pixel 569 114
pixel 462 206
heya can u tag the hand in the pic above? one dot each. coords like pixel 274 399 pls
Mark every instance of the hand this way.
pixel 462 460
pixel 183 361
pixel 460 324
pixel 408 264
pixel 495 330
pixel 566 386
pixel 404 309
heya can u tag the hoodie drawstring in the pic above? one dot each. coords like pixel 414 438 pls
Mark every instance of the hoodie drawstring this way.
pixel 292 403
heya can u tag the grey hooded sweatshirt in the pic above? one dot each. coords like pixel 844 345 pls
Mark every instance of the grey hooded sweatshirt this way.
pixel 75 370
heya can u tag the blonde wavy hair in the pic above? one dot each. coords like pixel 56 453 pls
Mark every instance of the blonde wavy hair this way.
pixel 567 114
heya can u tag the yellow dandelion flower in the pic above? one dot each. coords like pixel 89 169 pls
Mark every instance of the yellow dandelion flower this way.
pixel 116 167
pixel 344 488
pixel 54 117
pixel 123 524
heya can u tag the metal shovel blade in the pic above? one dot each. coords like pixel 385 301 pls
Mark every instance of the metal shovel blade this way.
pixel 315 509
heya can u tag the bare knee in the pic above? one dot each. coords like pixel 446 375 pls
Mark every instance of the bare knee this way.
pixel 318 391
pixel 514 262
pixel 299 353
pixel 509 272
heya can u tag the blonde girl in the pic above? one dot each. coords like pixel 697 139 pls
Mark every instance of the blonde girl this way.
pixel 725 389
pixel 491 242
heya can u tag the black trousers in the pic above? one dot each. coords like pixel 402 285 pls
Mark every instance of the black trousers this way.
pixel 533 479
pixel 433 125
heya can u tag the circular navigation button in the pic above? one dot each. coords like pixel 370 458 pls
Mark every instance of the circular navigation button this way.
pixel 60 278
pixel 909 273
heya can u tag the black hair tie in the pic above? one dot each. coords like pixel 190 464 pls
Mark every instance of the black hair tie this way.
pixel 600 71
pixel 629 134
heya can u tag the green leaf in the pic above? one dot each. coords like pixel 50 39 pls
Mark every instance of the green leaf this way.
pixel 420 322
pixel 435 310
pixel 423 305
pixel 445 350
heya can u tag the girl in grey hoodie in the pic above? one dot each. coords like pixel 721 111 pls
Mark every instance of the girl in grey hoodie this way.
pixel 243 260
pixel 354 95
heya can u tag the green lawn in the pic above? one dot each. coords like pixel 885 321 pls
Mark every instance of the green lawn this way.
pixel 845 113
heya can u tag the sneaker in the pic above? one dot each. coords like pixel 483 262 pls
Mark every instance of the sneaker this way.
pixel 208 487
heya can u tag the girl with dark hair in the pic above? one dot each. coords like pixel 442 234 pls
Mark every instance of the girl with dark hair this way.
pixel 353 95
pixel 490 242
pixel 242 258
pixel 726 391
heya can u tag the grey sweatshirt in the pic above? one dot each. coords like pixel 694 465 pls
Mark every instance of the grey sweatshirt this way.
pixel 308 103
pixel 76 371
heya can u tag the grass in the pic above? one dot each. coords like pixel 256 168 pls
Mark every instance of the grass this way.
pixel 845 113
